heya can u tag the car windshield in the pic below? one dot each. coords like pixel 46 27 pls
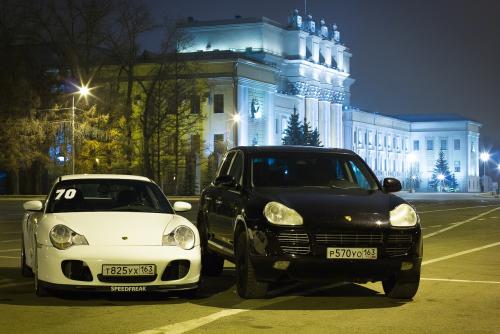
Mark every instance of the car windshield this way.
pixel 299 169
pixel 107 195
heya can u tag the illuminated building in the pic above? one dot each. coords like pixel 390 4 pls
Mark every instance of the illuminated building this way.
pixel 259 71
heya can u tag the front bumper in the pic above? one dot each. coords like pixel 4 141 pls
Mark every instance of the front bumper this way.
pixel 301 254
pixel 52 270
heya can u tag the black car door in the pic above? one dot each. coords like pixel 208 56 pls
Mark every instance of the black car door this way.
pixel 229 201
pixel 212 198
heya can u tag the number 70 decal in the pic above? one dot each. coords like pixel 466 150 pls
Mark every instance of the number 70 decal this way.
pixel 68 193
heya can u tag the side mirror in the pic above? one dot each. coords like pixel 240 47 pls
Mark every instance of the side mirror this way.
pixel 226 181
pixel 392 185
pixel 182 206
pixel 33 206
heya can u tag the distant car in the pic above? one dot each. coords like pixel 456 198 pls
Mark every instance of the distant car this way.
pixel 115 233
pixel 305 214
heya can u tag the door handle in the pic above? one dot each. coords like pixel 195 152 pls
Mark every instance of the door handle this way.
pixel 218 201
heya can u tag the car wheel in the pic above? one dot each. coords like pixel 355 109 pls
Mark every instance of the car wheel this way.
pixel 211 263
pixel 40 290
pixel 25 270
pixel 246 282
pixel 398 288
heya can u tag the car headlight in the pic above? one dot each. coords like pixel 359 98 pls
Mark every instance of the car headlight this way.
pixel 403 216
pixel 279 214
pixel 181 236
pixel 62 237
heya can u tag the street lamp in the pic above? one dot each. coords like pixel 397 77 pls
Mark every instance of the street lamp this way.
pixel 440 177
pixel 83 91
pixel 412 158
pixel 484 156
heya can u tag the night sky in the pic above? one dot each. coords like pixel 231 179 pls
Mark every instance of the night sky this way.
pixel 409 57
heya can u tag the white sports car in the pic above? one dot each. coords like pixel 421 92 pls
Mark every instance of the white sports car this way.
pixel 115 233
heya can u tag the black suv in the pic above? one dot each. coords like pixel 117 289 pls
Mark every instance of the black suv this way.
pixel 304 213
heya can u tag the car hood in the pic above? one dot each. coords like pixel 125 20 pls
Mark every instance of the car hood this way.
pixel 117 228
pixel 338 208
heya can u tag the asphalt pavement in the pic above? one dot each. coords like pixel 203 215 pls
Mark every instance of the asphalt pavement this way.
pixel 459 290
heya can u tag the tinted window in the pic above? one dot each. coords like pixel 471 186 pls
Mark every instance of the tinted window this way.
pixel 237 167
pixel 107 195
pixel 298 169
pixel 226 163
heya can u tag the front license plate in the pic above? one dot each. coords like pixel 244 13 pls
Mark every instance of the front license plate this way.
pixel 351 253
pixel 128 269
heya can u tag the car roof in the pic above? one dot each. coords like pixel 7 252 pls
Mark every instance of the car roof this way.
pixel 291 148
pixel 103 176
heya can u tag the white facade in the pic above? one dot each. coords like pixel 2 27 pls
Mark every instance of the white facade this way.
pixel 260 71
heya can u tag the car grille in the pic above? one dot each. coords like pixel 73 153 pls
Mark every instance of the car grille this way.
pixel 349 238
pixel 294 243
pixel 126 279
pixel 398 244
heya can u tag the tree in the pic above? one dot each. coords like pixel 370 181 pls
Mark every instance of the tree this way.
pixel 300 134
pixel 442 179
pixel 294 131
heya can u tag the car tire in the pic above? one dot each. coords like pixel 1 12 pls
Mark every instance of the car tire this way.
pixel 246 283
pixel 211 264
pixel 25 270
pixel 398 288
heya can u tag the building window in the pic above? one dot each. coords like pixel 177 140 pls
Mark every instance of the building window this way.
pixel 457 166
pixel 355 137
pixel 195 143
pixel 416 145
pixel 430 144
pixel 456 144
pixel 444 144
pixel 195 104
pixel 366 138
pixel 394 142
pixel 219 103
pixel 219 143
pixel 385 141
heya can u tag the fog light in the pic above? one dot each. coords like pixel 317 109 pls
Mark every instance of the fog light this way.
pixel 281 265
pixel 406 265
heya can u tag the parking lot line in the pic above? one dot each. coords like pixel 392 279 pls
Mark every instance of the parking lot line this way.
pixel 7 241
pixel 460 223
pixel 189 325
pixel 458 280
pixel 460 253
pixel 10 250
pixel 461 208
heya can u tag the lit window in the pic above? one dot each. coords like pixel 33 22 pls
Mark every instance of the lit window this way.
pixel 430 145
pixel 444 144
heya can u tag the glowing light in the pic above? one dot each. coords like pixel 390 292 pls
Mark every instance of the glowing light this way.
pixel 440 177
pixel 236 118
pixel 61 158
pixel 258 114
pixel 485 156
pixel 413 177
pixel 412 157
pixel 84 90
pixel 498 167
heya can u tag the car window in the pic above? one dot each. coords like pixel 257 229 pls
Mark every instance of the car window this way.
pixel 237 167
pixel 298 169
pixel 107 195
pixel 226 163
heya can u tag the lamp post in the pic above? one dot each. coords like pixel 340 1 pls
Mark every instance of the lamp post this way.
pixel 83 91
pixel 440 177
pixel 484 156
pixel 411 159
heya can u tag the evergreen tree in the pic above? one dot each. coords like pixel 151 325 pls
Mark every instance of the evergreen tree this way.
pixel 306 133
pixel 293 133
pixel 449 182
pixel 314 138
